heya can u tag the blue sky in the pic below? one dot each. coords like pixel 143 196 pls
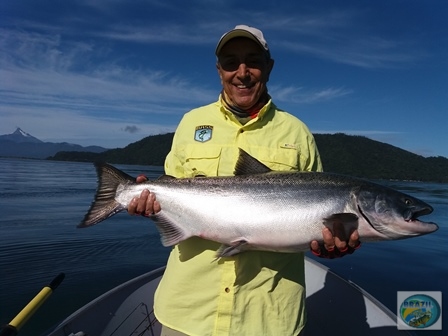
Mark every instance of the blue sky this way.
pixel 112 72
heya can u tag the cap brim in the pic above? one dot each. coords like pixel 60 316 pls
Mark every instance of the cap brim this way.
pixel 233 34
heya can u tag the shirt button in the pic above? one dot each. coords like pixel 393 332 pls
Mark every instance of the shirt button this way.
pixel 227 289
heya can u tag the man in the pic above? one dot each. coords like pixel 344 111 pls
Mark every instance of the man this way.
pixel 255 292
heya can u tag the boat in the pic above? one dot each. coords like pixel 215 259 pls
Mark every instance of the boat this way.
pixel 334 305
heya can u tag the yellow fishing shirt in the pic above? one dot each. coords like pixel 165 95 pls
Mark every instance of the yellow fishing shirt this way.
pixel 254 292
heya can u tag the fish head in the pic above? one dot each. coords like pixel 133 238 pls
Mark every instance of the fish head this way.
pixel 393 214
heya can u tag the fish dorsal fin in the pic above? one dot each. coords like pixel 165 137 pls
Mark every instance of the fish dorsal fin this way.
pixel 165 177
pixel 247 164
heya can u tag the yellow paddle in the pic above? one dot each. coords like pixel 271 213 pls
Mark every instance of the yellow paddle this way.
pixel 17 322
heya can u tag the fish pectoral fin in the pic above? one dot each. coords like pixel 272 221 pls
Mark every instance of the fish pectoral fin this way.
pixel 346 219
pixel 170 234
pixel 230 250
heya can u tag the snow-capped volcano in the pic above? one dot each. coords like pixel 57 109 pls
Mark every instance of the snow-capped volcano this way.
pixel 20 136
pixel 24 145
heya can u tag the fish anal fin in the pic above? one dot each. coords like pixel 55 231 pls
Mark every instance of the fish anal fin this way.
pixel 170 234
pixel 247 164
pixel 230 250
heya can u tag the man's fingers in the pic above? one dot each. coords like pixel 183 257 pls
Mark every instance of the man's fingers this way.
pixel 315 246
pixel 157 207
pixel 145 204
pixel 340 244
pixel 335 246
pixel 141 178
pixel 141 204
pixel 353 241
pixel 149 206
pixel 328 239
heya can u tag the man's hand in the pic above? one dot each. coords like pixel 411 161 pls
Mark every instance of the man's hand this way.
pixel 146 204
pixel 337 245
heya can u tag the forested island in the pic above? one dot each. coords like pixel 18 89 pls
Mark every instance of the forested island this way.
pixel 344 154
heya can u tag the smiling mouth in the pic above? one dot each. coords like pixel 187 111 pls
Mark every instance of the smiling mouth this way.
pixel 244 86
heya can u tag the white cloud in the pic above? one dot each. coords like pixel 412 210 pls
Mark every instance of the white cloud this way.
pixel 300 95
pixel 41 70
pixel 365 52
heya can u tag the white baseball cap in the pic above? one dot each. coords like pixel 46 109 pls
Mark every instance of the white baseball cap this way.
pixel 243 31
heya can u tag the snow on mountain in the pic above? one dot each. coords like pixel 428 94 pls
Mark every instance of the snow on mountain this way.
pixel 19 131
pixel 20 136
pixel 23 144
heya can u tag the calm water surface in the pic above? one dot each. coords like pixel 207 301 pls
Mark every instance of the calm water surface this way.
pixel 41 202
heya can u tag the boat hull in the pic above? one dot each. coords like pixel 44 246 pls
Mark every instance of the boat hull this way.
pixel 334 306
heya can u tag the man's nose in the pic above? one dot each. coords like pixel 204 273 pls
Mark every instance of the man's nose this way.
pixel 243 70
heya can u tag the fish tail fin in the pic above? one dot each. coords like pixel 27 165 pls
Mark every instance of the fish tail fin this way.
pixel 105 205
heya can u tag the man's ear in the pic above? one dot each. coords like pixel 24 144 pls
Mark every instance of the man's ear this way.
pixel 218 67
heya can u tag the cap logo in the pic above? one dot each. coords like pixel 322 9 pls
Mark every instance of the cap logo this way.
pixel 203 133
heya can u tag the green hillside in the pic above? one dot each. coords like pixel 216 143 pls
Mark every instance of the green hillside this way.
pixel 340 153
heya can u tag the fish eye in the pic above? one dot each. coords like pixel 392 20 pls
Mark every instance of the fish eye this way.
pixel 407 201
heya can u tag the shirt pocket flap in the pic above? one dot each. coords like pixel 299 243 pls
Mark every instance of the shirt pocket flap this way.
pixel 279 158
pixel 203 152
pixel 202 160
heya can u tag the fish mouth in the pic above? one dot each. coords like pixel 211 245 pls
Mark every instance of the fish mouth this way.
pixel 416 227
pixel 413 214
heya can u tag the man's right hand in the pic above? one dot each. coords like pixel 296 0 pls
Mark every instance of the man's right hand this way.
pixel 146 204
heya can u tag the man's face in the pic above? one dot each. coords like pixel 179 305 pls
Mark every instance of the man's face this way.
pixel 244 71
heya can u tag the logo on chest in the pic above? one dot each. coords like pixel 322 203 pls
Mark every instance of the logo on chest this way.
pixel 203 133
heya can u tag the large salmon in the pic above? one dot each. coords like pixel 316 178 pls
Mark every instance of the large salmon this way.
pixel 260 209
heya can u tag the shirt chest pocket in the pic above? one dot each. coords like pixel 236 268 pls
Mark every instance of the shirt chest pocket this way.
pixel 202 160
pixel 278 159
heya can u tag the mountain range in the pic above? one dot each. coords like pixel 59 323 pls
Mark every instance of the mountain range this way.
pixel 340 153
pixel 24 145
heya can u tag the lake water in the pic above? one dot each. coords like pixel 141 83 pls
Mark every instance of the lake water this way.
pixel 41 202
